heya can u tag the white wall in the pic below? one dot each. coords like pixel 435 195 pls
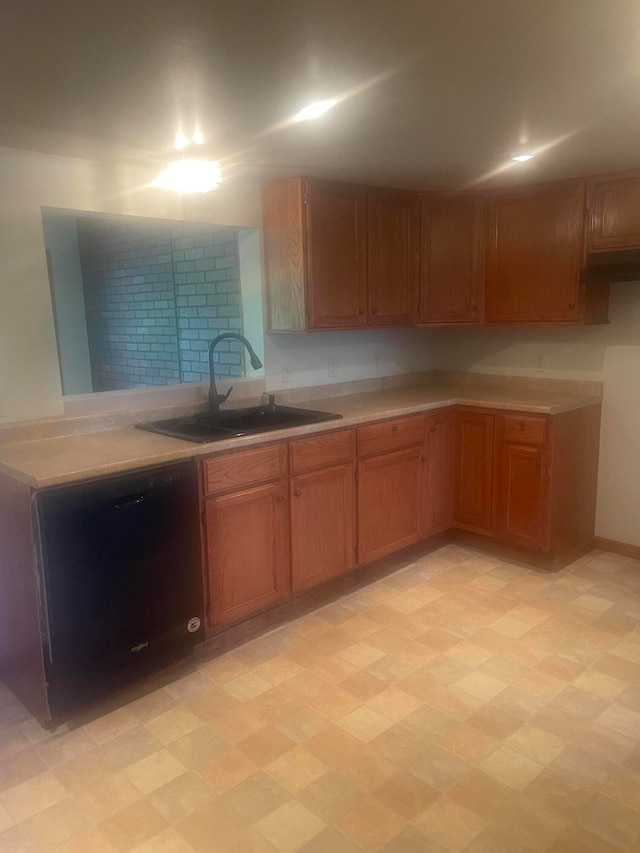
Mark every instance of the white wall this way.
pixel 610 354
pixel 61 239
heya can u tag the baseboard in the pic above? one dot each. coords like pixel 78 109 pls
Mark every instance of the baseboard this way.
pixel 632 551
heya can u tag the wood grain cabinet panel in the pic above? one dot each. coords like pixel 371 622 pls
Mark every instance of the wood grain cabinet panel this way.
pixel 450 260
pixel 474 471
pixel 247 551
pixel 319 451
pixel 615 214
pixel 534 253
pixel 440 458
pixel 393 256
pixel 390 489
pixel 522 495
pixel 322 525
pixel 315 249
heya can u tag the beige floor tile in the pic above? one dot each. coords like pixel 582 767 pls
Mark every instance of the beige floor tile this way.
pixel 265 745
pixel 167 841
pixel 481 686
pixel 296 769
pixel 439 768
pixel 218 823
pixel 110 725
pixel 130 747
pixel 133 825
pixel 577 840
pixel 173 724
pixel 406 794
pixel 612 821
pixel 536 744
pixel 302 723
pixel 483 795
pixel 450 824
pixel 278 670
pixel 182 796
pixel 624 786
pixel 622 720
pixel 20 767
pixel 228 769
pixel 104 798
pixel 155 770
pixel 365 723
pixel 331 796
pixel 469 743
pixel 371 824
pixel 93 841
pixel 256 797
pixel 511 768
pixel 64 746
pixel 194 749
pixel 34 796
pixel 47 829
pixel 290 827
pixel 246 686
pixel 149 706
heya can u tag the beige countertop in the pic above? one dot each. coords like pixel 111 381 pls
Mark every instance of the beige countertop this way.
pixel 53 461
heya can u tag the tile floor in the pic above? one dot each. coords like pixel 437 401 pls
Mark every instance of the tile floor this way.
pixel 460 704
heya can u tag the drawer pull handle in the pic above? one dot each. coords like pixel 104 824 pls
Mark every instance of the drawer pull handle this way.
pixel 297 493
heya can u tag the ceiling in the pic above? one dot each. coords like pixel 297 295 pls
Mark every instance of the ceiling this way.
pixel 434 93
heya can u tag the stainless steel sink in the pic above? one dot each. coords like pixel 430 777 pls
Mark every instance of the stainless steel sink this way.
pixel 216 426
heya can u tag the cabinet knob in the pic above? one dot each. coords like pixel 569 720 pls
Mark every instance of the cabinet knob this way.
pixel 433 429
pixel 280 499
pixel 572 305
pixel 360 310
pixel 297 493
pixel 474 308
pixel 394 429
pixel 424 458
pixel 374 310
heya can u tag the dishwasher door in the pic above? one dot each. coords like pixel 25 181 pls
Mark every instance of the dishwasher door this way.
pixel 121 580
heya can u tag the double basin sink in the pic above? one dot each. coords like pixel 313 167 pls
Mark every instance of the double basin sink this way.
pixel 216 426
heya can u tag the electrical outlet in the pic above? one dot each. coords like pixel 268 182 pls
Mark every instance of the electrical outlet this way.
pixel 333 367
pixel 377 362
pixel 286 373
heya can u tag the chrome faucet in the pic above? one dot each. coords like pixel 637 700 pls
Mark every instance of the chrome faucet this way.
pixel 216 399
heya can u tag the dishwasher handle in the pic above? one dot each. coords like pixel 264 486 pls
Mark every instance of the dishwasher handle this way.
pixel 128 501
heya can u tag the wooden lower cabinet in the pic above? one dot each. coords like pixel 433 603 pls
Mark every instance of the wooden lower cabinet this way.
pixel 247 551
pixel 474 471
pixel 522 495
pixel 322 525
pixel 390 487
pixel 437 511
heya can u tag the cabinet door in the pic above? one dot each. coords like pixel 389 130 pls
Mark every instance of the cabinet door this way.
pixel 522 494
pixel 449 276
pixel 474 471
pixel 336 217
pixel 615 214
pixel 389 492
pixel 534 255
pixel 393 219
pixel 247 550
pixel 322 525
pixel 438 503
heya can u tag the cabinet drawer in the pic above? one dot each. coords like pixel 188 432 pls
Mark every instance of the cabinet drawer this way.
pixel 525 429
pixel 232 471
pixel 319 451
pixel 391 435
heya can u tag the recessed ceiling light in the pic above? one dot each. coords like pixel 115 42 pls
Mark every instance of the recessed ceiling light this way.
pixel 190 176
pixel 522 158
pixel 314 110
pixel 181 141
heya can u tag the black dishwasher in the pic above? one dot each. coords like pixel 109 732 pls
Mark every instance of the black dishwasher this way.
pixel 120 583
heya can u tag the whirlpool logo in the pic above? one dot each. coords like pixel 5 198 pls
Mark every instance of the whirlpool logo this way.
pixel 140 646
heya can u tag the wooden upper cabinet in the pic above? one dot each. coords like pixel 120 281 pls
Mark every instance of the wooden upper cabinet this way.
pixel 450 269
pixel 393 256
pixel 315 239
pixel 614 205
pixel 336 230
pixel 534 251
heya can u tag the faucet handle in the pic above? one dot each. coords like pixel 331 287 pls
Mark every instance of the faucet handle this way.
pixel 225 397
pixel 271 402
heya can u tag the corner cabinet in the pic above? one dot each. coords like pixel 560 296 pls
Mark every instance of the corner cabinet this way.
pixel 534 253
pixel 614 206
pixel 473 478
pixel 450 260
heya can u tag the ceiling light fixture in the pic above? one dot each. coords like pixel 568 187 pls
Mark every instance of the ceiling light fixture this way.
pixel 181 141
pixel 315 110
pixel 190 176
pixel 522 158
